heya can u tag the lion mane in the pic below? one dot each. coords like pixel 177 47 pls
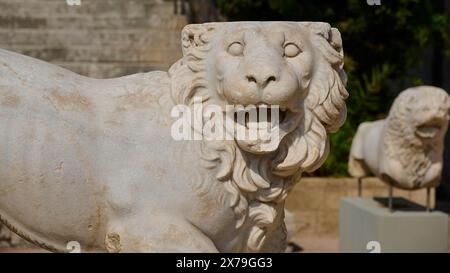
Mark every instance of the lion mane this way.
pixel 257 185
pixel 400 141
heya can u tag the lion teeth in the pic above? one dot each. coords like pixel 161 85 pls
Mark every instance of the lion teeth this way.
pixel 265 117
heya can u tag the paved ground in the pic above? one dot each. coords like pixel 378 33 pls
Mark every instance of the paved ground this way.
pixel 317 245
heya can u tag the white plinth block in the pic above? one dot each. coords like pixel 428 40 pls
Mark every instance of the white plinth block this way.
pixel 362 220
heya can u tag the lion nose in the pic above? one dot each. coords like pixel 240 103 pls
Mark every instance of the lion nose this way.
pixel 262 77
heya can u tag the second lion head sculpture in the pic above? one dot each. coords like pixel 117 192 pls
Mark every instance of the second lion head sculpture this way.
pixel 405 149
pixel 296 66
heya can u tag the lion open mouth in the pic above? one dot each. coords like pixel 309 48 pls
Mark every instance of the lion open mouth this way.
pixel 428 131
pixel 260 129
pixel 263 115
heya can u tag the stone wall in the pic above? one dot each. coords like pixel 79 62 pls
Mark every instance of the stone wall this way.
pixel 99 38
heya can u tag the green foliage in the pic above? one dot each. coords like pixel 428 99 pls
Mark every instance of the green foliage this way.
pixel 381 43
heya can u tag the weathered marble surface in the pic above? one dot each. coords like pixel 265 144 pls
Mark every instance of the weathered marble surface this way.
pixel 93 161
pixel 406 148
pixel 9 239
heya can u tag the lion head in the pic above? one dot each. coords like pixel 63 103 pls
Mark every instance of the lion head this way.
pixel 414 137
pixel 296 66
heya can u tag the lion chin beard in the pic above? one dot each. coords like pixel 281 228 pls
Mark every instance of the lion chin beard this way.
pixel 259 176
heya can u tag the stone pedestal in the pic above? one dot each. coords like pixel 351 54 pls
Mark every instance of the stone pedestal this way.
pixel 362 220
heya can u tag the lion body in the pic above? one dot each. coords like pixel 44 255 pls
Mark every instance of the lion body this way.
pixel 367 133
pixel 95 161
pixel 406 148
pixel 76 164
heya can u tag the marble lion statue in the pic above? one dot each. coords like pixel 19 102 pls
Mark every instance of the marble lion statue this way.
pixel 405 149
pixel 93 160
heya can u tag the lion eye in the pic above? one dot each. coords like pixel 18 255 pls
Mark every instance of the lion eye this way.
pixel 236 49
pixel 291 50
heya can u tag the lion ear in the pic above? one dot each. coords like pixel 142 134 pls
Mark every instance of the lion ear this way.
pixel 197 37
pixel 333 50
pixel 327 93
pixel 188 73
pixel 331 34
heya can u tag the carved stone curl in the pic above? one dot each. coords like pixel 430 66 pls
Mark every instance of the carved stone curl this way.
pixel 93 161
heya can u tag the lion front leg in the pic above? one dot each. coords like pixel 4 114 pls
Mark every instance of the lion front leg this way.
pixel 163 234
